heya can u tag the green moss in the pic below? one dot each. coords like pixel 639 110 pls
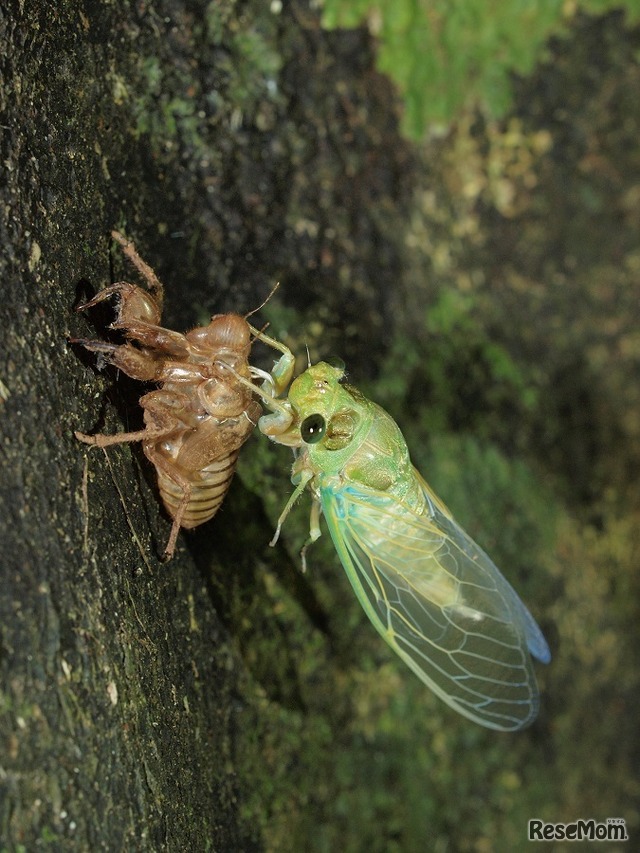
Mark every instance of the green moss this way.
pixel 447 55
pixel 171 102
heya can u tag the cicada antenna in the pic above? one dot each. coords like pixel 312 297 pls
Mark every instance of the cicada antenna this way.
pixel 255 310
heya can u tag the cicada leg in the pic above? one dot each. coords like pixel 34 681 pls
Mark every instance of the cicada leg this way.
pixel 282 373
pixel 184 484
pixel 279 420
pixel 136 363
pixel 305 476
pixel 274 384
pixel 104 440
pixel 314 530
pixel 153 282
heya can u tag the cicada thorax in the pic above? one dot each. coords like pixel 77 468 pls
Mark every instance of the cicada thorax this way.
pixel 227 337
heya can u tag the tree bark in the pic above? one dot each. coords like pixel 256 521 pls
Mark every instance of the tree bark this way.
pixel 237 144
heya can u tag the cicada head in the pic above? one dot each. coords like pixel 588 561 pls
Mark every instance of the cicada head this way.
pixel 328 414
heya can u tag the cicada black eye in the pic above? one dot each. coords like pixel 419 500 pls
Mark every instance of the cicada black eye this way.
pixel 312 429
pixel 336 362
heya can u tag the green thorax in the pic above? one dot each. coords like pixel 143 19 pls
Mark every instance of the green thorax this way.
pixel 360 443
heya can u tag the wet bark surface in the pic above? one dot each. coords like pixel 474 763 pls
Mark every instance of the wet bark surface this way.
pixel 237 145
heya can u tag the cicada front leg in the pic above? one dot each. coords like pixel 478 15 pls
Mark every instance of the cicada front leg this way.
pixel 301 481
pixel 302 475
pixel 279 422
pixel 154 284
pixel 278 380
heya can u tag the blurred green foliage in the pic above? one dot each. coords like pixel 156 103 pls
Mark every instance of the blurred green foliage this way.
pixel 454 374
pixel 449 54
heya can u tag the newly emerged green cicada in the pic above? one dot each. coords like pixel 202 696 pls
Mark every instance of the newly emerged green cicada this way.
pixel 430 591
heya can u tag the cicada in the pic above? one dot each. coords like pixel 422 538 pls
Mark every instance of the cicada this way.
pixel 203 408
pixel 430 591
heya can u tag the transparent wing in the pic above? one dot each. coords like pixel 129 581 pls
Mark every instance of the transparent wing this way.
pixel 440 603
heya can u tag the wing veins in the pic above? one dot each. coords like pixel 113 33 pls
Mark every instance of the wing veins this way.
pixel 430 594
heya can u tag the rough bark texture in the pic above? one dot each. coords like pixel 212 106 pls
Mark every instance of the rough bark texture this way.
pixel 237 144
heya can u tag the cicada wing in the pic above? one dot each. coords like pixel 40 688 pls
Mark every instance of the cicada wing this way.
pixel 440 603
pixel 443 519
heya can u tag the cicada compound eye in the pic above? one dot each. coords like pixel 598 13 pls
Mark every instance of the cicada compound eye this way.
pixel 313 428
pixel 336 362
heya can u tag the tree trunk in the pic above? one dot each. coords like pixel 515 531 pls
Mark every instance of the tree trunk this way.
pixel 237 144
